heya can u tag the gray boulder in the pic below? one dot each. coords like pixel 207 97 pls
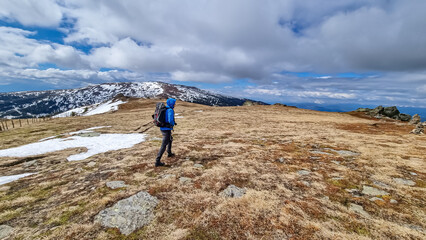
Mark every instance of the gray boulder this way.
pixel 185 180
pixel 233 191
pixel 363 110
pixel 373 191
pixel 415 120
pixel 5 231
pixel 404 181
pixel 390 111
pixel 404 117
pixel 377 111
pixel 32 163
pixel 419 129
pixel 116 184
pixel 358 209
pixel 129 214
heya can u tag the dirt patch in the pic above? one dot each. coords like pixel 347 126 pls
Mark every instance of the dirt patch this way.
pixel 376 128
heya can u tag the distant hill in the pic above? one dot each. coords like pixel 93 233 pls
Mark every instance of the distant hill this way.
pixel 42 103
pixel 352 107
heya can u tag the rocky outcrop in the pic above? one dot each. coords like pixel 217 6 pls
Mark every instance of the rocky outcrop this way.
pixel 403 117
pixel 420 128
pixel 391 111
pixel 415 120
pixel 385 112
pixel 129 214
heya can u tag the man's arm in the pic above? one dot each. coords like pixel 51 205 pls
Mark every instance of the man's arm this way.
pixel 171 117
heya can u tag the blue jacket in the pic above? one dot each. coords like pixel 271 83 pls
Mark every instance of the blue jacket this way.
pixel 170 114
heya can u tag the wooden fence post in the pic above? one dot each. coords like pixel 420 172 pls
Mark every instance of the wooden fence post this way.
pixel 28 122
pixel 13 125
pixel 20 124
pixel 5 122
pixel 4 129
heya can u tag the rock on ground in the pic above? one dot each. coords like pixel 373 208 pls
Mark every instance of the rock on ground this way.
pixel 91 164
pixel 404 181
pixel 185 180
pixel 233 192
pixel 303 172
pixel 419 129
pixel 5 231
pixel 129 214
pixel 373 191
pixel 389 112
pixel 358 209
pixel 116 184
pixel 32 163
pixel 415 120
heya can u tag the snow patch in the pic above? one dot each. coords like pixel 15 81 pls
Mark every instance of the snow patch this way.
pixel 94 145
pixel 94 109
pixel 104 107
pixel 8 179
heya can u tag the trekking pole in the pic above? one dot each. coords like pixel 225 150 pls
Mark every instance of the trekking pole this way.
pixel 147 128
pixel 144 125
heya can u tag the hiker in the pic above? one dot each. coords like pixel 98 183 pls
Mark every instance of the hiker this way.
pixel 167 132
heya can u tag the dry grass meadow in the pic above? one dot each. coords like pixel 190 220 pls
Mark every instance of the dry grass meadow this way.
pixel 260 148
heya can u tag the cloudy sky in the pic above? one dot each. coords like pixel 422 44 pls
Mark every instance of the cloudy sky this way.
pixel 334 51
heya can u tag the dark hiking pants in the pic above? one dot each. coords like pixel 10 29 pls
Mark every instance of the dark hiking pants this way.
pixel 167 142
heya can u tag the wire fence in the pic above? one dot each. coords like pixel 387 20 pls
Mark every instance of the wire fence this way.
pixel 9 124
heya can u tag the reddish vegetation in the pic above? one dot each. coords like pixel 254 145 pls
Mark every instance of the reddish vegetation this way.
pixel 298 186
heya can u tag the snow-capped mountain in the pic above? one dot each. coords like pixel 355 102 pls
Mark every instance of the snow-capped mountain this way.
pixel 42 103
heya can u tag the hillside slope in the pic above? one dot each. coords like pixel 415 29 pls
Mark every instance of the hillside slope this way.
pixel 307 175
pixel 42 103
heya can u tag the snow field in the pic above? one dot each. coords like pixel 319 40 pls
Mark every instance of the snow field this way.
pixel 94 145
pixel 8 179
pixel 105 107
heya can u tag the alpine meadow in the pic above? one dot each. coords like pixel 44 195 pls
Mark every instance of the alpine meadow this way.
pixel 312 175
pixel 212 119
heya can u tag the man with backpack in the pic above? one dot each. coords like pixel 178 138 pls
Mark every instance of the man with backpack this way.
pixel 164 117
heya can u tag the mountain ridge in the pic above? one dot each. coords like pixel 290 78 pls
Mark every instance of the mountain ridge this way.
pixel 27 104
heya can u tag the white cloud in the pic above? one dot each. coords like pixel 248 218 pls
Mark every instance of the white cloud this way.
pixel 19 51
pixel 74 78
pixel 219 41
pixel 199 77
pixel 300 93
pixel 46 13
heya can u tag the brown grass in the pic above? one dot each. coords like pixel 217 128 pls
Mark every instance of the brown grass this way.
pixel 236 145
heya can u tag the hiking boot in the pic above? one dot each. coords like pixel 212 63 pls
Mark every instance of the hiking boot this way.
pixel 159 164
pixel 171 155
